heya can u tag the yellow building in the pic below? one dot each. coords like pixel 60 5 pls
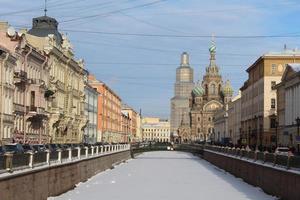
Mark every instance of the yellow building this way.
pixel 156 129
pixel 258 101
pixel 65 95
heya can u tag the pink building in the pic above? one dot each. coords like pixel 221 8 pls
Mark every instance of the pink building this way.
pixel 24 102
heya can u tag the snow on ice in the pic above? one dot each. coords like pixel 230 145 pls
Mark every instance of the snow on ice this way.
pixel 168 175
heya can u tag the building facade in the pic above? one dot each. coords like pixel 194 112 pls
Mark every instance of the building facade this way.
pixel 234 119
pixel 133 115
pixel 288 106
pixel 125 123
pixel 109 112
pixel 156 130
pixel 91 112
pixel 28 85
pixel 65 94
pixel 7 68
pixel 259 99
pixel 183 87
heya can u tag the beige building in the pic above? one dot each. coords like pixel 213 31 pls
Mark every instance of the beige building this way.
pixel 258 120
pixel 288 106
pixel 234 119
pixel 156 129
pixel 7 67
pixel 65 94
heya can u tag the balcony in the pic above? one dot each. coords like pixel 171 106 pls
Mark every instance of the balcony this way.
pixel 8 118
pixel 33 110
pixel 20 77
pixel 38 82
pixel 19 108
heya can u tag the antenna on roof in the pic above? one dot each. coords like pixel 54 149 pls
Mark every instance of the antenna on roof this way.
pixel 45 9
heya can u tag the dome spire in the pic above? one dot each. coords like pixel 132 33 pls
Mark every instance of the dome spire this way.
pixel 45 9
pixel 212 69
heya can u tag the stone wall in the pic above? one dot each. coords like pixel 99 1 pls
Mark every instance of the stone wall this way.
pixel 275 181
pixel 40 183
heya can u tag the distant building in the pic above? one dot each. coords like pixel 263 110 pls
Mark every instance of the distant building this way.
pixel 91 111
pixel 139 132
pixel 133 121
pixel 288 106
pixel 183 87
pixel 206 98
pixel 259 99
pixel 156 129
pixel 125 130
pixel 234 119
pixel 109 112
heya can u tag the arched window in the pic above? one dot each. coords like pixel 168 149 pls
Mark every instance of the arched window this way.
pixel 213 89
pixel 198 130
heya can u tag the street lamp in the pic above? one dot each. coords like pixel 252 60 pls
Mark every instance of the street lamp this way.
pixel 276 132
pixel 298 125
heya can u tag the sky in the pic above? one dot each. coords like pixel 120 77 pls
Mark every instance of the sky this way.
pixel 134 46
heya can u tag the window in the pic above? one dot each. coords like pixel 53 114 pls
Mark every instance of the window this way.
pixel 273 68
pixel 273 83
pixel 273 123
pixel 198 119
pixel 213 89
pixel 273 103
pixel 198 130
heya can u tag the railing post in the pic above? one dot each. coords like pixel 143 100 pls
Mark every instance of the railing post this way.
pixel 78 152
pixel 8 161
pixel 92 147
pixel 101 150
pixel 70 153
pixel 97 150
pixel 274 158
pixel 31 159
pixel 288 162
pixel 86 152
pixel 48 157
pixel 59 156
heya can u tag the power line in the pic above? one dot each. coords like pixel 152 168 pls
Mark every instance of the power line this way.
pixel 183 36
pixel 115 11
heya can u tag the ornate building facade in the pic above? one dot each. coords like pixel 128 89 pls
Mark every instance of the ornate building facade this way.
pixel 183 87
pixel 65 94
pixel 206 98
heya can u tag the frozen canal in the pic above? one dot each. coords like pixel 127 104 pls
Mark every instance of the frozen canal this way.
pixel 164 176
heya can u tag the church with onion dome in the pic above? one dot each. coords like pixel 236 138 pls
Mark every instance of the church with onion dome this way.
pixel 206 98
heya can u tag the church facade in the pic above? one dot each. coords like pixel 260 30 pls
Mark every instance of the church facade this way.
pixel 206 98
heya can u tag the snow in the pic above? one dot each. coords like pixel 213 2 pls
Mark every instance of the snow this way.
pixel 164 176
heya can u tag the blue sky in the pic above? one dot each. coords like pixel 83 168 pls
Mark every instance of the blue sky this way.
pixel 142 69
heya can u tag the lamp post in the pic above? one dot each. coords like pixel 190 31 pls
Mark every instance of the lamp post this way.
pixel 276 132
pixel 298 125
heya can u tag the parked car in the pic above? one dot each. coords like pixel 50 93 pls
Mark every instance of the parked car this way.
pixel 38 148
pixel 28 148
pixel 283 151
pixel 13 148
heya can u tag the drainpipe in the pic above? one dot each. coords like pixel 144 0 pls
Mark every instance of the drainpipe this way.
pixel 26 89
pixel 2 95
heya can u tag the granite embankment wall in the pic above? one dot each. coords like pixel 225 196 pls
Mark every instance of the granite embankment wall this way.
pixel 42 182
pixel 276 181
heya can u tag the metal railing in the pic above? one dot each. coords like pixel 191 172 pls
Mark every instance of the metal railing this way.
pixel 288 162
pixel 10 162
